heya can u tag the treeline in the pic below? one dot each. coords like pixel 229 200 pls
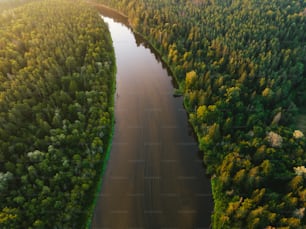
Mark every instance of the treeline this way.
pixel 8 4
pixel 241 66
pixel 57 70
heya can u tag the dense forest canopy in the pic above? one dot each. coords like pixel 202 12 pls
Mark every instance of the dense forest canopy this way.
pixel 57 72
pixel 241 65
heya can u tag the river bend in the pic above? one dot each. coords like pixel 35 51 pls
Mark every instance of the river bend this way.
pixel 155 177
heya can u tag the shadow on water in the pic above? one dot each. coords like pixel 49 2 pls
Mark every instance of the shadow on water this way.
pixel 141 41
pixel 123 19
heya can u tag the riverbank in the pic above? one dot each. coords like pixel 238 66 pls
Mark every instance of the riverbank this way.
pixel 108 147
pixel 107 151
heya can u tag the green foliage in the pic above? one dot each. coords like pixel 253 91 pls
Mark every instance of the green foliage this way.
pixel 57 70
pixel 243 67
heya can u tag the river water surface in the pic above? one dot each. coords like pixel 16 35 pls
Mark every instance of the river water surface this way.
pixel 155 177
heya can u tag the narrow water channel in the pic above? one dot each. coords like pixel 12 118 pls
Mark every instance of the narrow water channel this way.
pixel 155 177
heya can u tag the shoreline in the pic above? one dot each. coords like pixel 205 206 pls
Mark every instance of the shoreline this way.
pixel 108 148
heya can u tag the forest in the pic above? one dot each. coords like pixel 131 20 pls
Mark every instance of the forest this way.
pixel 240 65
pixel 57 76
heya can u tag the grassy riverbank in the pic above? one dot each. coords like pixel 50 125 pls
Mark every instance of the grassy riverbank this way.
pixel 107 150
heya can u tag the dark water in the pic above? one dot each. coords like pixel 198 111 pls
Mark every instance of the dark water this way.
pixel 155 177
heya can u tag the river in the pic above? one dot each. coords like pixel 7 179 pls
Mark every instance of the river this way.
pixel 154 177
